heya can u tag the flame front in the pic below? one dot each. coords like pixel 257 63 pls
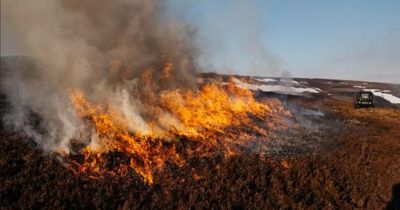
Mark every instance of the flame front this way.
pixel 211 118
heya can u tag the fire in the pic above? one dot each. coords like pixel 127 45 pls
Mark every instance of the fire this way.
pixel 203 118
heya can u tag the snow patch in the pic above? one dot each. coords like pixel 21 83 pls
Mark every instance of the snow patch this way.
pixel 289 82
pixel 277 88
pixel 360 86
pixel 385 94
pixel 266 79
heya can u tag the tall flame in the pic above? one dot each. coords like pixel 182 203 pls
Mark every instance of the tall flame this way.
pixel 201 116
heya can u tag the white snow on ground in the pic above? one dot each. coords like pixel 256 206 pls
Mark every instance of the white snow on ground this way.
pixel 284 81
pixel 266 79
pixel 277 88
pixel 289 81
pixel 360 86
pixel 385 94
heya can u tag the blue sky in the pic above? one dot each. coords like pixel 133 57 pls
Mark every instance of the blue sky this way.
pixel 344 39
pixel 353 39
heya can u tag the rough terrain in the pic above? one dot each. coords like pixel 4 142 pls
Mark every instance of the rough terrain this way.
pixel 341 158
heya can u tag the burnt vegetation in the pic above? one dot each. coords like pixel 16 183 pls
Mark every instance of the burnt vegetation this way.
pixel 351 161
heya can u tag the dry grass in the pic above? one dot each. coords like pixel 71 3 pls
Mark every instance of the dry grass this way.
pixel 358 172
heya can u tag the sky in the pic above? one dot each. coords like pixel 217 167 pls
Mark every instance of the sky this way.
pixel 341 39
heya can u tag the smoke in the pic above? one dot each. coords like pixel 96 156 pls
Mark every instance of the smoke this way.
pixel 97 46
pixel 232 37
pixel 247 15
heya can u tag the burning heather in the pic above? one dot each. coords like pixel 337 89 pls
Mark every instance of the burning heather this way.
pixel 110 108
pixel 118 79
pixel 209 119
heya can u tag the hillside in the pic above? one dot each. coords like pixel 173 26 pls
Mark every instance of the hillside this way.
pixel 330 156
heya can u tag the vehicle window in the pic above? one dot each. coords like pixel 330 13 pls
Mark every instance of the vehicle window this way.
pixel 365 96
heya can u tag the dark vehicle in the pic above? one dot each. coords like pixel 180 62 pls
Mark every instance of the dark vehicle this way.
pixel 364 99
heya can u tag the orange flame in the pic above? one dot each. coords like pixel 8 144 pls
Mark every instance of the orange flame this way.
pixel 203 116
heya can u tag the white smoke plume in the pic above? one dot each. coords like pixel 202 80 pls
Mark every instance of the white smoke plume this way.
pixel 97 46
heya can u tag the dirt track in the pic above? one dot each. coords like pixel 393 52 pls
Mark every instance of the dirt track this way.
pixel 360 170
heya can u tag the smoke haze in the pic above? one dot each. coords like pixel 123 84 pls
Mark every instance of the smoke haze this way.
pixel 94 46
pixel 232 38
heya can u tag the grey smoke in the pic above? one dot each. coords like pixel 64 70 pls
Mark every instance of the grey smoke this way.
pixel 72 43
pixel 236 31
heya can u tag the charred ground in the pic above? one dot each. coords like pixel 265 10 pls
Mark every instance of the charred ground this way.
pixel 339 158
